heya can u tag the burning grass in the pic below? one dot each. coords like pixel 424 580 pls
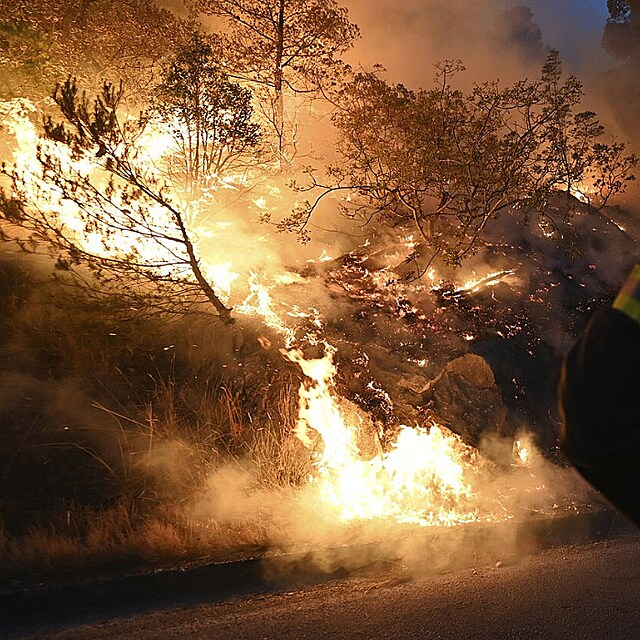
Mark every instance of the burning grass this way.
pixel 112 428
pixel 128 440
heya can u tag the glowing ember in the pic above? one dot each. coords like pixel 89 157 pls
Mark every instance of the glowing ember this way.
pixel 490 280
pixel 523 451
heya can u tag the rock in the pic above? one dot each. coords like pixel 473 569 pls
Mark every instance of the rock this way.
pixel 473 369
pixel 466 399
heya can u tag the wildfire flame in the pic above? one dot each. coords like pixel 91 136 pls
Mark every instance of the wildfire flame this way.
pixel 583 191
pixel 259 302
pixel 424 478
pixel 474 285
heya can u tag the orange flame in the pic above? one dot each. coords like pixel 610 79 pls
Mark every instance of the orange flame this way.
pixel 422 479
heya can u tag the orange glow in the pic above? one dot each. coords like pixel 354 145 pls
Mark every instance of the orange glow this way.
pixel 473 285
pixel 424 478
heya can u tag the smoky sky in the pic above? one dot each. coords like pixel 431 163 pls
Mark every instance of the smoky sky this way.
pixel 493 38
pixel 575 27
pixel 408 36
pixel 505 40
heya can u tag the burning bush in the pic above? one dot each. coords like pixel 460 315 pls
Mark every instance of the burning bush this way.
pixel 451 162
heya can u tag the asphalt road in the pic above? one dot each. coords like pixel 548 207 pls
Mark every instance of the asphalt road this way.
pixel 586 591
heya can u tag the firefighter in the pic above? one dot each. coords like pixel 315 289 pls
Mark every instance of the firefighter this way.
pixel 600 401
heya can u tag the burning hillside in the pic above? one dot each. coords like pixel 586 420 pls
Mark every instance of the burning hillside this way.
pixel 395 370
pixel 416 402
pixel 423 401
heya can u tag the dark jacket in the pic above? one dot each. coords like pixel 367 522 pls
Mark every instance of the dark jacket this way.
pixel 600 407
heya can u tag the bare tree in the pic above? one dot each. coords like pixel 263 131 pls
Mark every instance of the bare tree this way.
pixel 128 230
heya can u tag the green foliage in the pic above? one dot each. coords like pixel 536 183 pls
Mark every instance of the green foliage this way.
pixel 450 161
pixel 210 117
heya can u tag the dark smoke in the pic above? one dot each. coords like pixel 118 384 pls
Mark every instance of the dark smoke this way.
pixel 503 39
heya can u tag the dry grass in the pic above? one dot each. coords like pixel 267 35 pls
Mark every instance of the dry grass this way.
pixel 117 538
pixel 111 429
pixel 280 459
pixel 158 460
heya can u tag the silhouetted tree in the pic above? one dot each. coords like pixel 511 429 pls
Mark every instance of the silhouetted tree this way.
pixel 97 205
pixel 450 162
pixel 283 46
pixel 621 36
pixel 209 116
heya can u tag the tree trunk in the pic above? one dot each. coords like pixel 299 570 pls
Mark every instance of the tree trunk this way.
pixel 223 311
pixel 278 79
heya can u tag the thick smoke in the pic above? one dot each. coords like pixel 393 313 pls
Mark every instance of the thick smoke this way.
pixel 505 40
pixel 508 40
pixel 494 39
pixel 617 87
pixel 305 534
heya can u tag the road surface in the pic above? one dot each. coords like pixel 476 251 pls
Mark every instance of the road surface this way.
pixel 590 591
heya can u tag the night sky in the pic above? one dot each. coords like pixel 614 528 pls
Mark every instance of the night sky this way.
pixel 408 37
pixel 575 27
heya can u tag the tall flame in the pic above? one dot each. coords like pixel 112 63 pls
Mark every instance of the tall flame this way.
pixel 422 479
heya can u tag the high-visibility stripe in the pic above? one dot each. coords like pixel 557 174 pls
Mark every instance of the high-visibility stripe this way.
pixel 628 299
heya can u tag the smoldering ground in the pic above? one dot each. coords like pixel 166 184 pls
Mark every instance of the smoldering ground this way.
pixel 247 501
